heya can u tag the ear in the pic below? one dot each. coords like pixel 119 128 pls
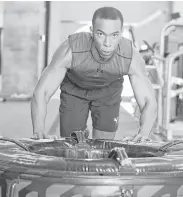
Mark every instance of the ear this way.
pixel 122 30
pixel 91 29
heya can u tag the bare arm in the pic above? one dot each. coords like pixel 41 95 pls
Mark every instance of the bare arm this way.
pixel 144 94
pixel 47 85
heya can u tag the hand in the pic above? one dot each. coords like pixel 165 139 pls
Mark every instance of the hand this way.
pixel 138 138
pixel 42 135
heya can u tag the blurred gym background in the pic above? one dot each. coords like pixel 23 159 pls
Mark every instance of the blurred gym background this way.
pixel 30 32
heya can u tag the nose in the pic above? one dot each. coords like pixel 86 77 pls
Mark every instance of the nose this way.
pixel 107 42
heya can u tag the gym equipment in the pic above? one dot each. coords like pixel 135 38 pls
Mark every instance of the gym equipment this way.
pixel 169 59
pixel 78 166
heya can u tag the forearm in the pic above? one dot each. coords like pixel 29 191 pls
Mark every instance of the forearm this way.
pixel 147 118
pixel 38 113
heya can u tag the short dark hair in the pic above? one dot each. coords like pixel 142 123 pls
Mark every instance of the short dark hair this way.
pixel 107 13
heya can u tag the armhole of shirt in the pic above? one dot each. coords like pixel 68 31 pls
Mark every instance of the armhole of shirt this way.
pixel 71 46
pixel 132 53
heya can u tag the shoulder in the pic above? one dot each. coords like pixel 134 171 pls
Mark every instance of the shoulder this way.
pixel 125 48
pixel 63 49
pixel 62 54
pixel 80 42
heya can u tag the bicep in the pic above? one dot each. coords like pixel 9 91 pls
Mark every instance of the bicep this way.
pixel 54 73
pixel 141 84
pixel 50 80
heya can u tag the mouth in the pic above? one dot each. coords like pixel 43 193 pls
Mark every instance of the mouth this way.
pixel 106 53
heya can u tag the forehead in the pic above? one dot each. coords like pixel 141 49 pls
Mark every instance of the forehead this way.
pixel 108 26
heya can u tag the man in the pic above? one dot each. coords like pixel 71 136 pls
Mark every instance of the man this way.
pixel 89 68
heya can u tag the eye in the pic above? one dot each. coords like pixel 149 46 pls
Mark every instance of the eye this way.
pixel 100 33
pixel 115 35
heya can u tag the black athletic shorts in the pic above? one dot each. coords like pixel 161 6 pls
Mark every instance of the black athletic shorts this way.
pixel 74 112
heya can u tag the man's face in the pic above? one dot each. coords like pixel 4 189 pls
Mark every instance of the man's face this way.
pixel 106 34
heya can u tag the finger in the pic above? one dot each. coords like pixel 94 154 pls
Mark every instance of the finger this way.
pixel 34 137
pixel 55 137
pixel 37 136
pixel 128 138
pixel 46 136
pixel 146 139
pixel 140 139
pixel 137 138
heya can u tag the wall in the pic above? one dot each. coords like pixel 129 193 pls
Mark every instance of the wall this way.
pixel 178 7
pixel 20 47
pixel 1 13
pixel 133 11
pixel 21 33
pixel 1 25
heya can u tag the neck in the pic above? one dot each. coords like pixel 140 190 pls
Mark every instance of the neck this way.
pixel 97 56
pixel 103 58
